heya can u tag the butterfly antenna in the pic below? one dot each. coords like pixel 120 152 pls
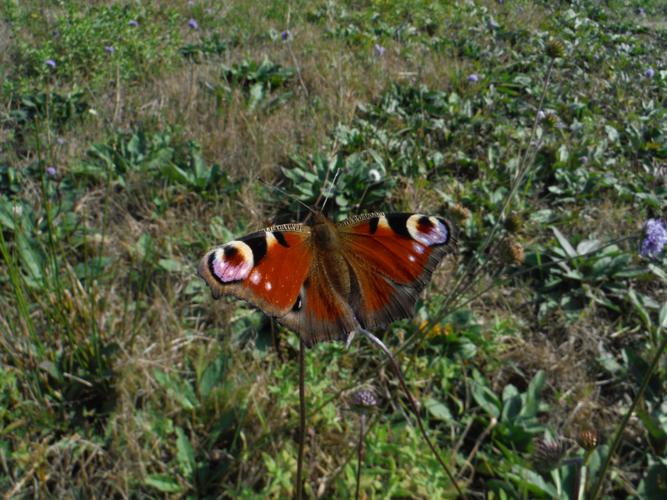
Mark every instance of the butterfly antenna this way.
pixel 333 188
pixel 289 195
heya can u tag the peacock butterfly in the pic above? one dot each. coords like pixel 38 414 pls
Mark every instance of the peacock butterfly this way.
pixel 325 280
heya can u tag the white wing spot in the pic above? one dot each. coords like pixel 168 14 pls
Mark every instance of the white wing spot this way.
pixel 268 286
pixel 255 277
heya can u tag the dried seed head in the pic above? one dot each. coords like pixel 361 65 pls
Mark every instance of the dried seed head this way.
pixel 511 252
pixel 588 439
pixel 547 455
pixel 513 223
pixel 459 212
pixel 552 119
pixel 555 48
pixel 363 400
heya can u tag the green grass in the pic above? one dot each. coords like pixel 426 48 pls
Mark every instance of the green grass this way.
pixel 120 168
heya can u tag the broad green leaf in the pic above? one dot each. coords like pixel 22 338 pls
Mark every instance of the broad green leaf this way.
pixel 438 410
pixel 185 455
pixel 662 317
pixel 562 240
pixel 170 265
pixel 163 482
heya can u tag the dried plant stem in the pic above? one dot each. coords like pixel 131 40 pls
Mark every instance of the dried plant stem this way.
pixel 597 489
pixel 360 452
pixel 413 405
pixel 302 419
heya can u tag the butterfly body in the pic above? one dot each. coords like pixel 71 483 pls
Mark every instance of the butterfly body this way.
pixel 325 280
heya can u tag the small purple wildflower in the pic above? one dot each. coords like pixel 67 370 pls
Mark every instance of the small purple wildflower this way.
pixel 50 63
pixel 285 35
pixel 193 24
pixel 133 23
pixel 473 78
pixel 583 160
pixel 655 238
pixel 641 11
pixel 649 73
pixel 379 50
pixel 109 49
pixel 541 115
pixel 51 171
pixel 60 141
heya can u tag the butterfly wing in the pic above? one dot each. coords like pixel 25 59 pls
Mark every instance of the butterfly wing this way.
pixel 266 268
pixel 392 258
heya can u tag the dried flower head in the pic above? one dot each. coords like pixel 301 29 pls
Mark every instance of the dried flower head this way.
pixel 363 400
pixel 655 238
pixel 547 455
pixel 513 223
pixel 588 439
pixel 511 252
pixel 459 212
pixel 552 118
pixel 555 48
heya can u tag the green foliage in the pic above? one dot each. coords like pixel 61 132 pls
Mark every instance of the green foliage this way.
pixel 119 377
pixel 77 40
pixel 157 155
pixel 265 84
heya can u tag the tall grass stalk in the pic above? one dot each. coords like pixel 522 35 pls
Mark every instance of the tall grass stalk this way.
pixel 662 325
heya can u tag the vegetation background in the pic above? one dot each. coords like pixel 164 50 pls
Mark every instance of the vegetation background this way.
pixel 137 135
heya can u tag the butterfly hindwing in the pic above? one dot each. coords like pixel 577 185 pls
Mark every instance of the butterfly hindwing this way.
pixel 393 257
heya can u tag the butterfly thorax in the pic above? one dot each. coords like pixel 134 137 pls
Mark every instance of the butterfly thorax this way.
pixel 329 255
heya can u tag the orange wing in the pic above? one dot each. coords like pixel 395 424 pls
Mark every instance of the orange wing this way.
pixel 392 258
pixel 266 268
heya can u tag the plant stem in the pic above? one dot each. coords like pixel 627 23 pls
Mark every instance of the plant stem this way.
pixel 360 452
pixel 617 438
pixel 413 405
pixel 302 419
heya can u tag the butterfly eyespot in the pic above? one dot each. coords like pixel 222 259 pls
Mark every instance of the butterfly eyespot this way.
pixel 232 262
pixel 429 231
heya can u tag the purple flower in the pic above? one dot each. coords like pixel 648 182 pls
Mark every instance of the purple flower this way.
pixel 541 115
pixel 641 11
pixel 51 171
pixel 473 78
pixel 133 23
pixel 109 49
pixel 655 238
pixel 193 24
pixel 649 73
pixel 379 50
pixel 50 63
pixel 285 35
pixel 583 160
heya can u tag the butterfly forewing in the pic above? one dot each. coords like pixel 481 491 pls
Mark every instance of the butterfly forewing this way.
pixel 393 257
pixel 266 268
